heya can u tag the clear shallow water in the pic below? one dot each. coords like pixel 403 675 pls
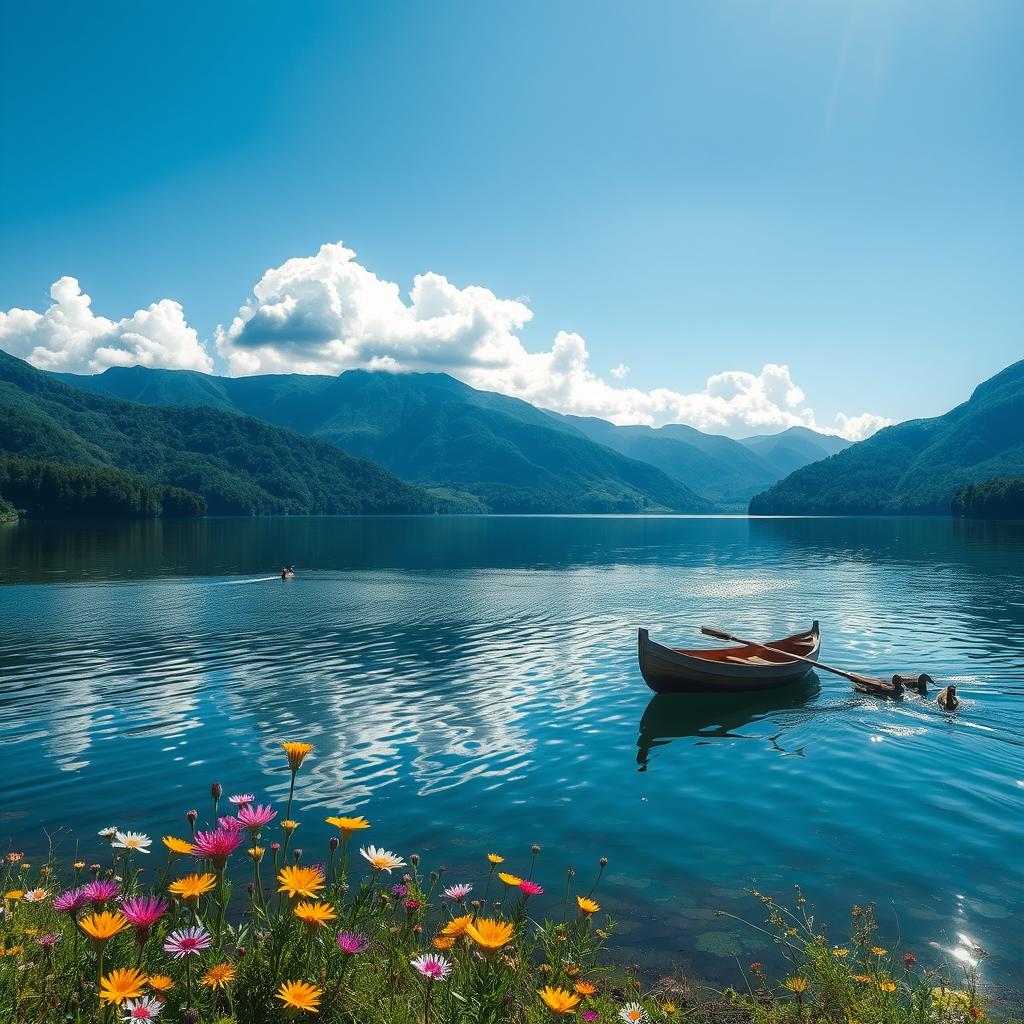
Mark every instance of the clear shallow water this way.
pixel 471 684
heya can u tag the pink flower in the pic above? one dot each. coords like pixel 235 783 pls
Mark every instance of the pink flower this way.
pixel 352 942
pixel 411 905
pixel 531 888
pixel 49 940
pixel 230 823
pixel 399 890
pixel 589 1015
pixel 99 891
pixel 187 942
pixel 241 799
pixel 218 845
pixel 254 818
pixel 458 892
pixel 432 966
pixel 143 912
pixel 143 1008
pixel 72 901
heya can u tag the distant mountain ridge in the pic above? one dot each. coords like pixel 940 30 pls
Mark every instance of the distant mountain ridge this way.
pixel 914 467
pixel 498 450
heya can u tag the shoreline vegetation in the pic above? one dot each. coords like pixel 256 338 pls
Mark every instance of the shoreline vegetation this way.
pixel 239 925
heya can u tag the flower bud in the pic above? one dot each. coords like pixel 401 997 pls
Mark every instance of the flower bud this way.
pixel 417 929
pixel 297 854
pixel 441 870
pixel 414 859
pixel 190 1016
pixel 275 847
pixel 251 887
pixel 191 815
pixel 603 862
pixel 535 849
pixel 333 843
pixel 434 876
pixel 571 873
pixel 216 791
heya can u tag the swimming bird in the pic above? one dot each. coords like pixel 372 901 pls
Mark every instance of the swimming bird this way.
pixel 948 699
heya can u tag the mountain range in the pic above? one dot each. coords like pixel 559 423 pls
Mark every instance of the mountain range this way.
pixel 914 467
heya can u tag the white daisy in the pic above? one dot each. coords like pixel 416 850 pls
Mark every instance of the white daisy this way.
pixel 132 841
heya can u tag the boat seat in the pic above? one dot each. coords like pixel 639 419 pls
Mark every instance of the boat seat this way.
pixel 751 659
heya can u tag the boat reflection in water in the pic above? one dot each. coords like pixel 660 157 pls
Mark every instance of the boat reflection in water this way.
pixel 710 716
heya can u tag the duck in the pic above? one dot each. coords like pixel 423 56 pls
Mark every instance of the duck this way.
pixel 948 700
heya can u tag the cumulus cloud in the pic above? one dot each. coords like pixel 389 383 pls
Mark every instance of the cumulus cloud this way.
pixel 327 313
pixel 68 336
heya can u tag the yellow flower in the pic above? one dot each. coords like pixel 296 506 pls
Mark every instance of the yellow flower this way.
pixel 489 933
pixel 878 951
pixel 300 881
pixel 950 998
pixel 443 942
pixel 103 926
pixel 219 976
pixel 297 753
pixel 495 859
pixel 348 825
pixel 457 926
pixel 841 953
pixel 14 894
pixel 78 865
pixel 861 977
pixel 585 988
pixel 176 846
pixel 289 826
pixel 559 1000
pixel 508 879
pixel 124 983
pixel 256 852
pixel 160 983
pixel 669 1007
pixel 797 985
pixel 299 995
pixel 13 857
pixel 315 915
pixel 191 887
pixel 572 970
pixel 887 986
pixel 587 905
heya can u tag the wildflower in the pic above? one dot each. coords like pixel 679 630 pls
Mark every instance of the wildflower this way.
pixel 348 825
pixel 256 852
pixel 797 985
pixel 289 826
pixel 71 901
pixel 878 951
pixel 229 822
pixel 633 1013
pixel 103 926
pixel 399 890
pixel 143 912
pixel 381 859
pixel 108 833
pixel 177 847
pixel 300 881
pixel 143 1008
pixel 976 1013
pixel 589 1016
pixel 443 942
pixel 495 859
pixel 187 942
pixel 35 896
pixel 352 943
pixel 13 858
pixel 14 894
pixel 78 865
pixel 299 995
pixel 254 818
pixel 458 892
pixel 887 986
pixel 191 887
pixel 124 983
pixel 49 940
pixel 585 988
pixel 457 926
pixel 241 799
pixel 137 842
pixel 668 1007
pixel 587 905
pixel 411 905
pixel 218 845
pixel 219 976
pixel 98 891
pixel 841 953
pixel 909 960
pixel 508 879
pixel 531 888
pixel 559 1000
pixel 489 934
pixel 432 966
pixel 314 915
pixel 572 969
pixel 297 753
pixel 160 982
pixel 601 933
pixel 863 978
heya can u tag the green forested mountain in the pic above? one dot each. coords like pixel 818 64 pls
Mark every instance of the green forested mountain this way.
pixel 916 466
pixel 1002 498
pixel 238 464
pixel 60 490
pixel 794 448
pixel 499 452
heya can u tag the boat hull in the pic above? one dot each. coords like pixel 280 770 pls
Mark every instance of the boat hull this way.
pixel 728 670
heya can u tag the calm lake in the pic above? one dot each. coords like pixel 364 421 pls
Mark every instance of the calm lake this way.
pixel 471 685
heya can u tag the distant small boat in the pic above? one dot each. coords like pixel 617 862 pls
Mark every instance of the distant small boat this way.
pixel 728 669
pixel 288 574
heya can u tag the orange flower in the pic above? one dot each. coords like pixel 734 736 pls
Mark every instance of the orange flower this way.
pixel 297 753
pixel 585 988
pixel 559 1000
pixel 124 983
pixel 457 926
pixel 489 934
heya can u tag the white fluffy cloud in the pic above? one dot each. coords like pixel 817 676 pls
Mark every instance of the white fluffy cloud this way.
pixel 70 337
pixel 327 313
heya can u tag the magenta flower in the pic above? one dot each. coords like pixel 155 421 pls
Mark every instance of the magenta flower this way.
pixel 230 823
pixel 49 940
pixel 241 799
pixel 143 912
pixel 531 888
pixel 589 1016
pixel 432 966
pixel 72 901
pixel 399 890
pixel 218 845
pixel 99 891
pixel 352 943
pixel 187 942
pixel 458 892
pixel 254 818
pixel 412 905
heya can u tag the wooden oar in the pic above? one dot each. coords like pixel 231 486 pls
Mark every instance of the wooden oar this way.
pixel 872 684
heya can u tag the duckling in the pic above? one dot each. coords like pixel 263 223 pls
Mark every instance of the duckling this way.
pixel 948 699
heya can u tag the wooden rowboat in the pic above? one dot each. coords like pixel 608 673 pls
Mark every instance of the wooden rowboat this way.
pixel 729 669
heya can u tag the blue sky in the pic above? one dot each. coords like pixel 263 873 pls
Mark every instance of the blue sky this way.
pixel 692 188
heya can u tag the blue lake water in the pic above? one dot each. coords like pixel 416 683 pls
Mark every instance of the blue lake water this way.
pixel 471 685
